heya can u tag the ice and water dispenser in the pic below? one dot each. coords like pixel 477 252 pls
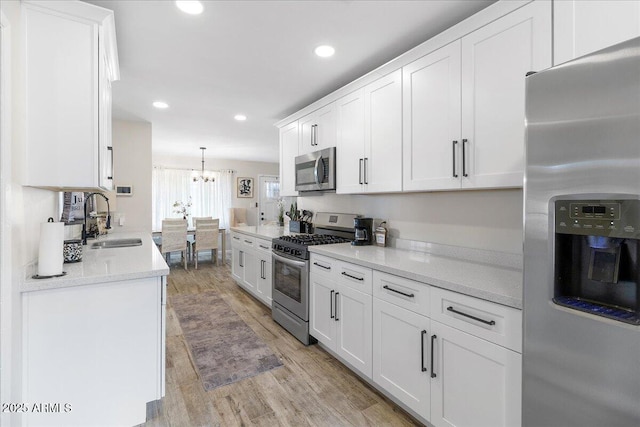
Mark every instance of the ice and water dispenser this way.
pixel 596 257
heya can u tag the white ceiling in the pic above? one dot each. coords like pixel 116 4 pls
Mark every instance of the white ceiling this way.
pixel 254 58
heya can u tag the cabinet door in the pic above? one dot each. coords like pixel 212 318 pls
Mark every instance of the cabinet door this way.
pixel 263 287
pixel 432 120
pixel 288 153
pixel 400 355
pixel 495 60
pixel 251 270
pixel 476 383
pixel 326 123
pixel 383 134
pixel 322 323
pixel 353 320
pixel 317 130
pixel 582 27
pixel 105 151
pixel 237 270
pixel 61 74
pixel 350 146
pixel 306 134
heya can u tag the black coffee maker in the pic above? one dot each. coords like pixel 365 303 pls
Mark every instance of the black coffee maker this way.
pixel 364 231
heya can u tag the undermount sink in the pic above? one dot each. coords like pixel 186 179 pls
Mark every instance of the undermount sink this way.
pixel 116 243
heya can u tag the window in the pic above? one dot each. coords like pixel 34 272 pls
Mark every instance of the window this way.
pixel 207 198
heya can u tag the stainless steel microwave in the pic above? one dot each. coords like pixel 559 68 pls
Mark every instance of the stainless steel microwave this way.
pixel 316 171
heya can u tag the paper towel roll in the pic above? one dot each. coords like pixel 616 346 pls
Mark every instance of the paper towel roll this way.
pixel 50 254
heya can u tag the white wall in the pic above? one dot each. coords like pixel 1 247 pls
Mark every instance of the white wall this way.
pixel 132 166
pixel 242 169
pixel 477 219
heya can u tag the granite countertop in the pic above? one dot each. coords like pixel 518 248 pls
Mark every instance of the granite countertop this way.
pixel 107 265
pixel 263 232
pixel 476 277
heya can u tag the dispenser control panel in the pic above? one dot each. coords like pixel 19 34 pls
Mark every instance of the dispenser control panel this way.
pixel 613 218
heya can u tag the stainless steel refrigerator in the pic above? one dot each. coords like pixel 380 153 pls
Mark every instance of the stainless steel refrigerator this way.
pixel 581 360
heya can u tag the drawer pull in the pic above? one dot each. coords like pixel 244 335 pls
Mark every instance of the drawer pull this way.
pixel 487 322
pixel 236 238
pixel 322 266
pixel 353 277
pixel 422 334
pixel 264 247
pixel 249 242
pixel 398 292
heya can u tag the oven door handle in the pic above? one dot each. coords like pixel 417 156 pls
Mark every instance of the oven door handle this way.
pixel 289 261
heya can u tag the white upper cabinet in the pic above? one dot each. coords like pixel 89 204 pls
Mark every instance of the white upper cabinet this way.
pixel 581 27
pixel 495 61
pixel 463 116
pixel 288 153
pixel 70 62
pixel 318 130
pixel 350 147
pixel 369 149
pixel 432 120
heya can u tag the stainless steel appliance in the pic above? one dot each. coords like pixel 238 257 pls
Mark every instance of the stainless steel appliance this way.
pixel 581 360
pixel 364 231
pixel 316 171
pixel 290 293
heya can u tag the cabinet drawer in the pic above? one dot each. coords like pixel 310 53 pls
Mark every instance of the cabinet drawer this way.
pixel 354 276
pixel 403 292
pixel 323 265
pixel 246 240
pixel 493 322
pixel 236 238
pixel 263 245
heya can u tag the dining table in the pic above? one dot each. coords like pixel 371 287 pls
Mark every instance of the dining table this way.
pixel 191 231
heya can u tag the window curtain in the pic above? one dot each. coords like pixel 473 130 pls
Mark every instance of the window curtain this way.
pixel 211 199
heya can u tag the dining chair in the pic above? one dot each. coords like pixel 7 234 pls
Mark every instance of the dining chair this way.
pixel 174 238
pixel 207 231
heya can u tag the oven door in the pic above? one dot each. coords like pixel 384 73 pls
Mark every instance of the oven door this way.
pixel 291 285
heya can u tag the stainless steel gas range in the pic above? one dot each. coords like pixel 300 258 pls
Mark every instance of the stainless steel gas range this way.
pixel 290 305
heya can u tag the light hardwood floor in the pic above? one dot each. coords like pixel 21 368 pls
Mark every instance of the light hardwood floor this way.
pixel 311 389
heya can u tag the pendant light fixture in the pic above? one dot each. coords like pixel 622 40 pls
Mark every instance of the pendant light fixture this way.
pixel 202 176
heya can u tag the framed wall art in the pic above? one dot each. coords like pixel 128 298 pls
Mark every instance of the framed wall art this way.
pixel 245 187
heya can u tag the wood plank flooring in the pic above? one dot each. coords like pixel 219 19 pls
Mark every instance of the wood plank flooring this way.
pixel 311 389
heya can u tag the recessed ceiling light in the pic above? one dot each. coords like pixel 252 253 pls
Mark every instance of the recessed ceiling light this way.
pixel 240 117
pixel 325 51
pixel 190 7
pixel 161 105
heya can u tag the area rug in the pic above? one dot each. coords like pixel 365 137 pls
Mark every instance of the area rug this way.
pixel 224 348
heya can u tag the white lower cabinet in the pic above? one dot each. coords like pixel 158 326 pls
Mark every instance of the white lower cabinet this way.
pixel 340 318
pixel 251 265
pixel 448 358
pixel 400 348
pixel 96 351
pixel 474 383
pixel 264 270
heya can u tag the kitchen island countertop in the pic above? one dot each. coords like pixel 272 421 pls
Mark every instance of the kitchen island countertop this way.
pixel 107 265
pixel 482 279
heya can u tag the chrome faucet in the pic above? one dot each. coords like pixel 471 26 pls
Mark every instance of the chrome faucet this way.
pixel 85 234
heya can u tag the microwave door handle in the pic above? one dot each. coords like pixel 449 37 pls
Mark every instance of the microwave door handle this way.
pixel 316 170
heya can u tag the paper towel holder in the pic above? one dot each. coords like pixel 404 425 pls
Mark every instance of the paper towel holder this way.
pixel 37 276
